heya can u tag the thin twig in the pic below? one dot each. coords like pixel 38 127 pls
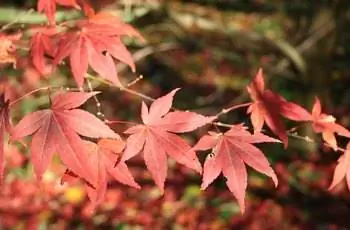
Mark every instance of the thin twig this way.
pixel 289 133
pixel 119 122
pixel 149 50
pixel 20 17
pixel 309 140
pixel 49 88
pixel 234 107
pixel 139 78
pixel 133 92
pixel 121 88
pixel 28 94
pixel 98 103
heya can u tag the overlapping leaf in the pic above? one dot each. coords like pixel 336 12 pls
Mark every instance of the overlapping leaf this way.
pixel 268 106
pixel 95 44
pixel 230 152
pixel 156 137
pixel 4 127
pixel 325 124
pixel 42 45
pixel 103 156
pixel 342 169
pixel 56 131
pixel 49 7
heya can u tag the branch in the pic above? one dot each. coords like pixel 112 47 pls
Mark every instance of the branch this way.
pixel 9 15
pixel 25 14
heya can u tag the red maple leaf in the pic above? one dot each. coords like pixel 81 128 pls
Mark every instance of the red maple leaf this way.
pixel 96 43
pixel 56 131
pixel 49 7
pixel 4 127
pixel 41 45
pixel 268 106
pixel 106 23
pixel 156 137
pixel 342 169
pixel 325 124
pixel 230 152
pixel 103 156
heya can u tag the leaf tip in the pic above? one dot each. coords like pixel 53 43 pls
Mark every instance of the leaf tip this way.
pixel 241 206
pixel 275 180
pixel 331 187
pixel 204 186
pixel 198 168
pixel 174 91
pixel 93 93
pixel 137 186
pixel 161 190
pixel 284 140
pixel 333 184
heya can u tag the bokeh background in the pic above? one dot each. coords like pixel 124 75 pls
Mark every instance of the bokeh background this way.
pixel 211 49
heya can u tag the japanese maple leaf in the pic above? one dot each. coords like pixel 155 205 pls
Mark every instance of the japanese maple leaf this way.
pixel 4 127
pixel 41 45
pixel 103 156
pixel 325 124
pixel 268 106
pixel 342 169
pixel 156 137
pixel 96 43
pixel 49 7
pixel 56 131
pixel 106 23
pixel 230 152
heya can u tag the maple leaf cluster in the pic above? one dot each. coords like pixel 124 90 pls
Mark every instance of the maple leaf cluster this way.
pixel 93 152
pixel 95 42
pixel 268 106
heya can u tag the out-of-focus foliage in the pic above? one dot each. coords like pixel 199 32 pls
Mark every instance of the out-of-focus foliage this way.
pixel 211 49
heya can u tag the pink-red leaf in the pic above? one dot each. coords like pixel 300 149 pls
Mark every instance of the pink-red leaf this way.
pixel 154 139
pixel 94 44
pixel 41 45
pixel 342 169
pixel 42 147
pixel 230 152
pixel 134 145
pixel 79 60
pixel 180 122
pixel 156 161
pixel 104 65
pixel 211 170
pixel 103 157
pixel 325 124
pixel 235 172
pixel 178 149
pixel 29 124
pixel 206 142
pixel 268 106
pixel 71 100
pixel 56 131
pixel 86 124
pixel 160 107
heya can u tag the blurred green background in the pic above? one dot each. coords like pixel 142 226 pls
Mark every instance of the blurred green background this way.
pixel 211 49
